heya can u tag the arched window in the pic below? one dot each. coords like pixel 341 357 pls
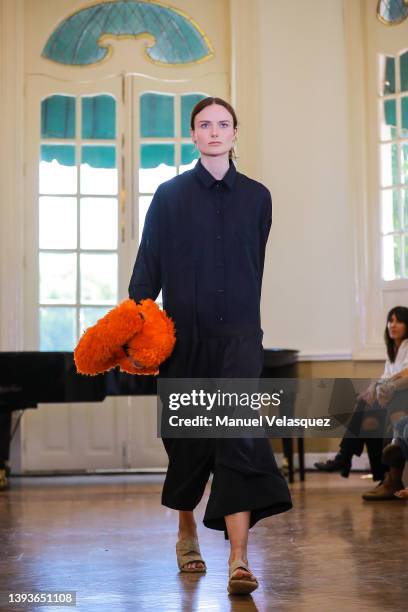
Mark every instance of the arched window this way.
pixel 394 165
pixel 378 97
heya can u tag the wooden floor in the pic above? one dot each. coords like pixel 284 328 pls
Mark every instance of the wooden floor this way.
pixel 110 540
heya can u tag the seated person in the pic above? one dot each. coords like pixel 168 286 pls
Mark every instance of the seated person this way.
pixel 382 401
pixel 395 455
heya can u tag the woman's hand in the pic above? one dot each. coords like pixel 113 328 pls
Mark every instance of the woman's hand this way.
pixel 385 391
pixel 369 395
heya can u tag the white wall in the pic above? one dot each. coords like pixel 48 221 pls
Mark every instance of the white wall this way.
pixel 11 175
pixel 308 281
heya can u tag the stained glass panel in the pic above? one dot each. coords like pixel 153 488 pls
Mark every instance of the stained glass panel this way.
pixel 404 71
pixel 389 120
pixel 78 40
pixel 98 117
pixel 58 173
pixel 156 115
pixel 58 117
pixel 188 102
pixel 157 164
pixel 389 77
pixel 404 117
pixel 99 175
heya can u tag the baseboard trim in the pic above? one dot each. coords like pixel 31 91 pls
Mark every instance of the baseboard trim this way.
pixel 304 356
pixel 360 464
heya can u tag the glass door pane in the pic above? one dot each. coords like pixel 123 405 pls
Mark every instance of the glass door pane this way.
pixel 78 215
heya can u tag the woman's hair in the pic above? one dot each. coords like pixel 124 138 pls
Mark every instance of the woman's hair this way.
pixel 207 102
pixel 401 314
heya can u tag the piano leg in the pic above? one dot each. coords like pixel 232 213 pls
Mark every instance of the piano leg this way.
pixel 301 455
pixel 5 428
pixel 287 444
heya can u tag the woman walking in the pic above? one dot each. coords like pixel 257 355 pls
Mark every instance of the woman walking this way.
pixel 203 245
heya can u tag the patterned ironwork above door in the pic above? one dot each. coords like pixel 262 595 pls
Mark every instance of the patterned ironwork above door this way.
pixel 172 37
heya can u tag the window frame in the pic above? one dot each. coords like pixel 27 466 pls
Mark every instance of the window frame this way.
pixel 126 90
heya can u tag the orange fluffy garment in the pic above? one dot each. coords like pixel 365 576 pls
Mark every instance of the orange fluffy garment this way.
pixel 135 337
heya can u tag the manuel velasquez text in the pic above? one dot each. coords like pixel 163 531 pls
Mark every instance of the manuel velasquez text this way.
pixel 260 421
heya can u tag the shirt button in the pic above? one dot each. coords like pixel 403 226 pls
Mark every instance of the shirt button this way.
pixel 220 319
pixel 218 212
pixel 218 237
pixel 220 290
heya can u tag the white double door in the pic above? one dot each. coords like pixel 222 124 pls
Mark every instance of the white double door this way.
pixel 118 433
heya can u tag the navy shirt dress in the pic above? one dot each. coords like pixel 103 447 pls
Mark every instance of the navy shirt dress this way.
pixel 203 245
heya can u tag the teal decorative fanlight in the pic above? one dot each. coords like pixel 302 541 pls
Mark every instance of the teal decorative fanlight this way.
pixel 392 12
pixel 174 38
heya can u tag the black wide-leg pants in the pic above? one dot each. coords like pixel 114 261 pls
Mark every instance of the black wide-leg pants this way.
pixel 354 444
pixel 245 474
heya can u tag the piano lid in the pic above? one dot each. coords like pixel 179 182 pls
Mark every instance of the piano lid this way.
pixel 32 377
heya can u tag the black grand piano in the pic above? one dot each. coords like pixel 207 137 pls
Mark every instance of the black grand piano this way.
pixel 33 377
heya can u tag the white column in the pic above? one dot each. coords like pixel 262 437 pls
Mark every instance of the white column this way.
pixel 11 174
pixel 245 85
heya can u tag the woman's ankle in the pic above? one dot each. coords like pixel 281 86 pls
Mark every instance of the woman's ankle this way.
pixel 187 526
pixel 238 555
pixel 186 533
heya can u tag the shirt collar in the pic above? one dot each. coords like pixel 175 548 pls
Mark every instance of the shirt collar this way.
pixel 207 178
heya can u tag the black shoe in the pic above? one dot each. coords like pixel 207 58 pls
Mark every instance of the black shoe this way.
pixel 346 468
pixel 339 464
pixel 374 451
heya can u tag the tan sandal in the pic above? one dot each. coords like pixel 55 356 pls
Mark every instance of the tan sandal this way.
pixel 240 586
pixel 188 551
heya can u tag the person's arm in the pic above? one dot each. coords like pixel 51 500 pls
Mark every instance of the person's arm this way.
pixel 386 389
pixel 369 395
pixel 372 393
pixel 146 278
pixel 393 384
pixel 402 374
pixel 266 222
